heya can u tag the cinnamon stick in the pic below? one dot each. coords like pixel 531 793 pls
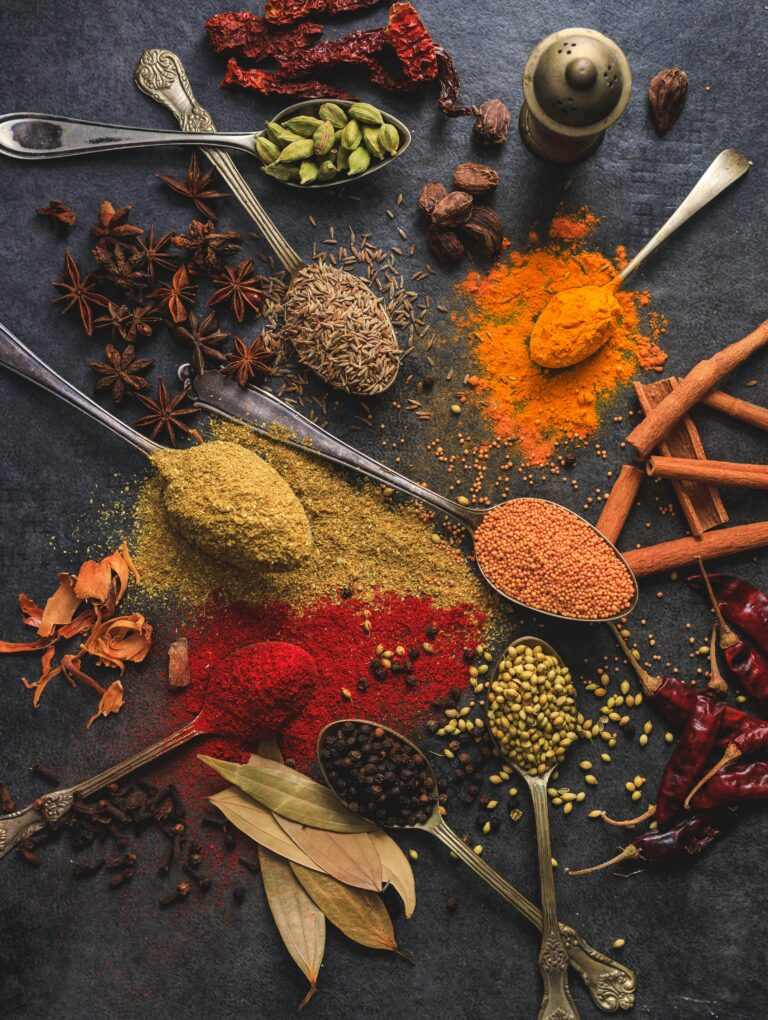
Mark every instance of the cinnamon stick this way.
pixel 752 414
pixel 701 503
pixel 619 503
pixel 652 559
pixel 703 377
pixel 715 472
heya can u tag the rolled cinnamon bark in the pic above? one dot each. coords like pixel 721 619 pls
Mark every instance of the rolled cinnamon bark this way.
pixel 714 472
pixel 619 503
pixel 752 414
pixel 702 378
pixel 653 559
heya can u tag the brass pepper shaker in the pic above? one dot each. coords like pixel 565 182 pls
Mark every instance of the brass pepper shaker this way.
pixel 576 84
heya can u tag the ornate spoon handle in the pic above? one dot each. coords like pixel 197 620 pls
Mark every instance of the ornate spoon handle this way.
pixel 611 984
pixel 162 77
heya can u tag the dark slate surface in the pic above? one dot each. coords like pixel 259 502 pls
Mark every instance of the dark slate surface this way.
pixel 697 936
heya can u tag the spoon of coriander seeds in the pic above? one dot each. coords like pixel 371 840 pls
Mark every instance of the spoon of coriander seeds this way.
pixel 532 718
pixel 380 774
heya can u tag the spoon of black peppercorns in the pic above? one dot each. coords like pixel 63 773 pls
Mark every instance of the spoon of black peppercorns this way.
pixel 380 774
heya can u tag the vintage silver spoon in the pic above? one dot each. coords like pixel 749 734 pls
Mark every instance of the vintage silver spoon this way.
pixel 260 410
pixel 611 984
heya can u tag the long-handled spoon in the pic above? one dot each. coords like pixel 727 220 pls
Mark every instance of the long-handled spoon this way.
pixel 261 411
pixel 557 1003
pixel 571 305
pixel 611 984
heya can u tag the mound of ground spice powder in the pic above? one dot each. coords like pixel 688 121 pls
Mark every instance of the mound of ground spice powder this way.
pixel 535 406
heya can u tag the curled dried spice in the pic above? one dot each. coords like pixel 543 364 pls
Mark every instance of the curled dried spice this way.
pixel 284 12
pixel 111 702
pixel 195 187
pixel 255 37
pixel 113 226
pixel 270 83
pixel 119 640
pixel 60 607
pixel 79 292
pixel 58 213
pixel 667 94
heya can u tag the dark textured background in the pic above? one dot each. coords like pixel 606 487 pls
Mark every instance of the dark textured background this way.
pixel 696 937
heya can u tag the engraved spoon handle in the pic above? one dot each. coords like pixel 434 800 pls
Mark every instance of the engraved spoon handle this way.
pixel 39 136
pixel 162 77
pixel 611 984
pixel 556 1003
pixel 726 168
pixel 18 358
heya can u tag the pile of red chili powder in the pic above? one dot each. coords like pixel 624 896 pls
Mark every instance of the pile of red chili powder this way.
pixel 388 659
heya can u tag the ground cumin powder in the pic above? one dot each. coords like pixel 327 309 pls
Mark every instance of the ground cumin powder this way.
pixel 360 543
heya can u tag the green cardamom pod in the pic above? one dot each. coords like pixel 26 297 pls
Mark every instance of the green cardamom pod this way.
pixel 334 113
pixel 308 172
pixel 301 149
pixel 342 159
pixel 327 170
pixel 351 136
pixel 366 114
pixel 304 126
pixel 267 149
pixel 372 142
pixel 359 160
pixel 281 172
pixel 323 138
pixel 390 138
pixel 278 134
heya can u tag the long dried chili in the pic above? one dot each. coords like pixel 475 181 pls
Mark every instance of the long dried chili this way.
pixel 285 12
pixel 750 740
pixel 735 784
pixel 255 37
pixel 267 83
pixel 742 604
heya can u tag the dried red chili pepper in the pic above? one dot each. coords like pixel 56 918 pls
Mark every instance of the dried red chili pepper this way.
pixel 284 12
pixel 735 784
pixel 667 846
pixel 255 37
pixel 268 83
pixel 449 86
pixel 750 739
pixel 742 604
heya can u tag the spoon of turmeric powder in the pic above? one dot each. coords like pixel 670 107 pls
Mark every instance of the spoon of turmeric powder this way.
pixel 578 321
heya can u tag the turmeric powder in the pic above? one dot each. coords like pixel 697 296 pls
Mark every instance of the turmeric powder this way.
pixel 574 324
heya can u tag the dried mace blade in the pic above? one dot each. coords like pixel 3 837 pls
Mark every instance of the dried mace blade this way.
pixel 166 414
pixel 58 213
pixel 79 292
pixel 246 362
pixel 122 372
pixel 667 94
pixel 240 288
pixel 195 187
pixel 204 337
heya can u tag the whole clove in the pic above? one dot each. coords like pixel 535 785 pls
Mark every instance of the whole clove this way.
pixel 179 893
pixel 7 803
pixel 26 851
pixel 120 878
pixel 126 860
pixel 38 769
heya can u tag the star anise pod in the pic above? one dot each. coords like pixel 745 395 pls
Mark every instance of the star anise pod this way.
pixel 115 317
pixel 58 212
pixel 195 187
pixel 122 372
pixel 165 413
pixel 80 292
pixel 245 363
pixel 121 266
pixel 240 287
pixel 206 248
pixel 153 254
pixel 139 321
pixel 177 296
pixel 113 225
pixel 204 336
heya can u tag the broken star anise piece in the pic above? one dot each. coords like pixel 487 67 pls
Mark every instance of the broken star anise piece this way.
pixel 165 413
pixel 121 267
pixel 115 318
pixel 58 212
pixel 177 296
pixel 113 225
pixel 240 287
pixel 246 362
pixel 122 372
pixel 79 292
pixel 139 322
pixel 204 336
pixel 195 187
pixel 153 253
pixel 206 248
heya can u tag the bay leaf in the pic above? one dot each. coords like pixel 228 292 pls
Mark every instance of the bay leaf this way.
pixel 395 868
pixel 260 824
pixel 348 856
pixel 300 922
pixel 290 794
pixel 358 913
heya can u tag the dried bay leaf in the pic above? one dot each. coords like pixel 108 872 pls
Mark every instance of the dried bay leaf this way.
pixel 348 856
pixel 260 824
pixel 358 913
pixel 290 794
pixel 300 922
pixel 395 869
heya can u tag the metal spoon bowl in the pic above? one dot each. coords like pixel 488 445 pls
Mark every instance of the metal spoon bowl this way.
pixel 42 136
pixel 611 984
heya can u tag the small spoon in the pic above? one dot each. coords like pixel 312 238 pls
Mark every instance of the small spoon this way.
pixel 557 1003
pixel 726 168
pixel 261 411
pixel 611 984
